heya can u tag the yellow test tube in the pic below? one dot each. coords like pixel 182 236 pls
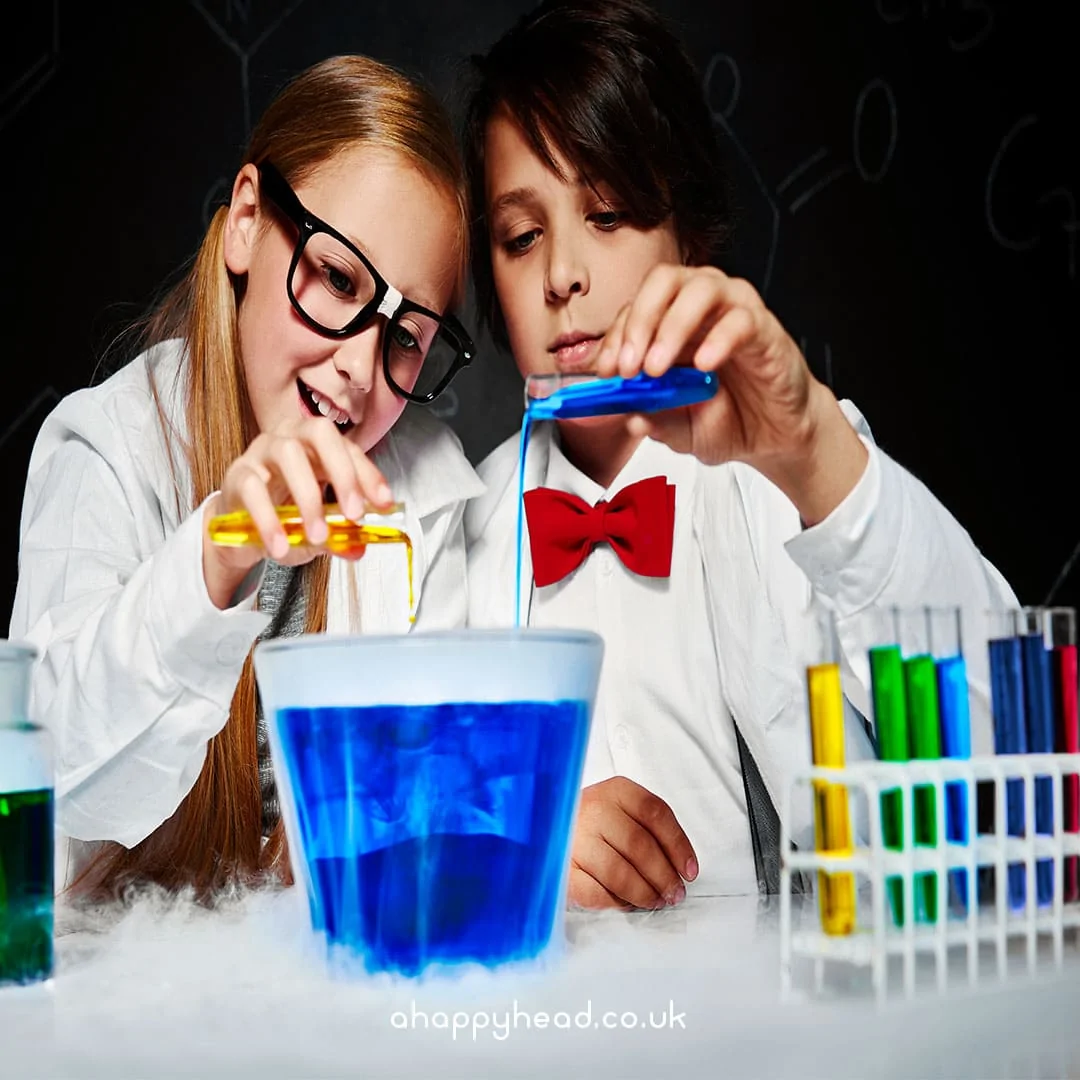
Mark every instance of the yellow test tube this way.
pixel 832 820
pixel 345 537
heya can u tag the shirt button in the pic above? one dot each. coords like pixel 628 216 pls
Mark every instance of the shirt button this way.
pixel 605 562
pixel 622 736
pixel 232 649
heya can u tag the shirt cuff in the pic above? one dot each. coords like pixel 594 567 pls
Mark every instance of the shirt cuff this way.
pixel 850 556
pixel 201 645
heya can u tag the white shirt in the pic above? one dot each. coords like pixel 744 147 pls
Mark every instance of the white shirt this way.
pixel 660 715
pixel 136 666
pixel 768 582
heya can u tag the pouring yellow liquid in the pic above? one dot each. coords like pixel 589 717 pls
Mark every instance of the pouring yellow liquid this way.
pixel 347 538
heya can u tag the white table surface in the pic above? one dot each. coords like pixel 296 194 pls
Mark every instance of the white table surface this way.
pixel 178 991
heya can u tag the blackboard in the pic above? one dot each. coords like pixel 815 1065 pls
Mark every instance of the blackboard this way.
pixel 906 180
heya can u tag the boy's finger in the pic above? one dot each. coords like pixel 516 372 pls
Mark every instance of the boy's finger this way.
pixel 586 892
pixel 655 816
pixel 671 427
pixel 607 362
pixel 731 331
pixel 684 323
pixel 657 291
pixel 598 855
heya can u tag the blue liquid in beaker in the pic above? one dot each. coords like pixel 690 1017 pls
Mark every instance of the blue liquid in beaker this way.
pixel 436 834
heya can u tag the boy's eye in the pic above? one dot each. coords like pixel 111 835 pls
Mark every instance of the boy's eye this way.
pixel 521 243
pixel 607 219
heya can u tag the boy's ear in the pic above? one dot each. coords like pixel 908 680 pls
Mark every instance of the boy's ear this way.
pixel 685 254
pixel 692 251
pixel 241 224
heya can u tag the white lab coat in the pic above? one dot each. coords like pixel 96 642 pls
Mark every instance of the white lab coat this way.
pixel 136 666
pixel 769 580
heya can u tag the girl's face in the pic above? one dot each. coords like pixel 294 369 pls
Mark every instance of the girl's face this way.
pixel 564 257
pixel 405 225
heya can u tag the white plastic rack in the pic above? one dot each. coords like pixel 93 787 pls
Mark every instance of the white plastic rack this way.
pixel 987 925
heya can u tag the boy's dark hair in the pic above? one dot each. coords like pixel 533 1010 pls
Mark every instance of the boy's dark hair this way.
pixel 608 85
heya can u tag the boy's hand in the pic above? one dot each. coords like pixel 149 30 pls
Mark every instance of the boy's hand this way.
pixel 770 412
pixel 628 849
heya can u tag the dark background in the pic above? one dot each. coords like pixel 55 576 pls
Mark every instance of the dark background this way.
pixel 907 182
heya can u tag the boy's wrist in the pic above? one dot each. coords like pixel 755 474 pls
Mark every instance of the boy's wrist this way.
pixel 826 465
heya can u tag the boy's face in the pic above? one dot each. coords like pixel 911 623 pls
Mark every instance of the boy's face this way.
pixel 565 259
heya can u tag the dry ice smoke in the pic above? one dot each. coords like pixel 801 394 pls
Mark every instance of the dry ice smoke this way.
pixel 164 987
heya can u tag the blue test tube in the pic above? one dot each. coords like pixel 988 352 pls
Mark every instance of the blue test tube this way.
pixel 1010 730
pixel 946 644
pixel 1036 651
pixel 566 397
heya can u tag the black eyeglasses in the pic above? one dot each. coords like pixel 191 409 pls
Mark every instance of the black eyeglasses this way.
pixel 334 288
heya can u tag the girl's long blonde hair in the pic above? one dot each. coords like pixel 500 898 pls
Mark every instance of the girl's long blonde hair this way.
pixel 214 839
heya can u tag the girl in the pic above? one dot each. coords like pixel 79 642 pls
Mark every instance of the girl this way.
pixel 314 310
pixel 594 167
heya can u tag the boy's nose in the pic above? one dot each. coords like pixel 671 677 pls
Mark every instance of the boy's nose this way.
pixel 567 273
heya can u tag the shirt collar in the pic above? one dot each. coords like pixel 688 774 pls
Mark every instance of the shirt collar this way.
pixel 650 458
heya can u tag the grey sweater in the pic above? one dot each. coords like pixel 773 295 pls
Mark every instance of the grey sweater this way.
pixel 282 597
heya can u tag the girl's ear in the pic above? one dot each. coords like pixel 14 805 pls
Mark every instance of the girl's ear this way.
pixel 241 224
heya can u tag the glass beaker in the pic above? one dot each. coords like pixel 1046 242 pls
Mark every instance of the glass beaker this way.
pixel 26 827
pixel 429 784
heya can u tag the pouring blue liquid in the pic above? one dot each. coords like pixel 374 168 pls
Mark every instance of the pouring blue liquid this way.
pixel 560 397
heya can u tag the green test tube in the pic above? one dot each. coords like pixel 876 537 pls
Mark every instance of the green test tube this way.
pixel 891 727
pixel 924 729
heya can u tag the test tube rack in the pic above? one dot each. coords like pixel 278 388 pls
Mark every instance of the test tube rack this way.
pixel 989 927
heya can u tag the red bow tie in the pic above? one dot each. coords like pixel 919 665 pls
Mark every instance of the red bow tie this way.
pixel 638 523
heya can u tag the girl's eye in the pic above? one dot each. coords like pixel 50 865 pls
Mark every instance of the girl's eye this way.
pixel 403 339
pixel 518 245
pixel 339 281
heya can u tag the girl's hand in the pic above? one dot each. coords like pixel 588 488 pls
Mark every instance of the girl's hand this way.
pixel 769 412
pixel 291 465
pixel 628 849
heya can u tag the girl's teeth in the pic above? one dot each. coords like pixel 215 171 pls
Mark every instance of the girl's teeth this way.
pixel 328 410
pixel 322 404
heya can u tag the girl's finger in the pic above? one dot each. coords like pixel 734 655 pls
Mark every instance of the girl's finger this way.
pixel 247 485
pixel 294 461
pixel 336 460
pixel 372 484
